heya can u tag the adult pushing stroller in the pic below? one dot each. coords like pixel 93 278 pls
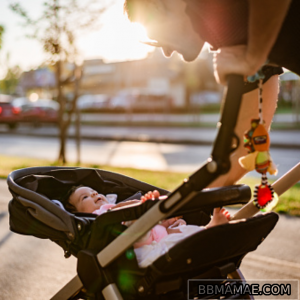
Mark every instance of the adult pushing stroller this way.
pixel 107 268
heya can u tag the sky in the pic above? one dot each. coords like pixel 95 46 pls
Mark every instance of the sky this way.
pixel 116 40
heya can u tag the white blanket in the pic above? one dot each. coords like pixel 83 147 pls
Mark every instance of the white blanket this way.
pixel 147 254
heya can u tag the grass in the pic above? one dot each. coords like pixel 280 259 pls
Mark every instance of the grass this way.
pixel 281 109
pixel 289 202
pixel 165 180
pixel 285 126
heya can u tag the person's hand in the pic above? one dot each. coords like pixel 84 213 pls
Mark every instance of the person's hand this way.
pixel 220 216
pixel 234 60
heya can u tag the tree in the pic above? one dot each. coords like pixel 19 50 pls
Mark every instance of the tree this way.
pixel 1 34
pixel 57 29
pixel 9 83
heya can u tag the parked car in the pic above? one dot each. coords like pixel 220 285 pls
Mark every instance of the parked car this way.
pixel 41 111
pixel 38 112
pixel 93 102
pixel 19 102
pixel 152 103
pixel 121 102
pixel 9 114
pixel 205 98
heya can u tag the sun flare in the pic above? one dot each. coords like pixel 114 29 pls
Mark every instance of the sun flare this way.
pixel 118 40
pixel 124 40
pixel 138 31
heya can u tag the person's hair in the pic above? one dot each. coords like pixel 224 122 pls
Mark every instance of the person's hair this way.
pixel 65 199
pixel 129 9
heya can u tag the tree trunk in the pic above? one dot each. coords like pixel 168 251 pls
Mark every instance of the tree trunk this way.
pixel 62 127
pixel 65 117
pixel 62 150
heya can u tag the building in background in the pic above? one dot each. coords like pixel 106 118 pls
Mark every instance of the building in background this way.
pixel 41 81
pixel 154 79
pixel 154 76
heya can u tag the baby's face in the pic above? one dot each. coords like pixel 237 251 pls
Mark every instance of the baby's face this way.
pixel 87 200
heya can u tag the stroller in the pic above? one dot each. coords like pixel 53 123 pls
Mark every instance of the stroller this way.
pixel 107 267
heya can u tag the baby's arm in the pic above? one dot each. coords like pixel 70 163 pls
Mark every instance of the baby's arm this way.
pixel 126 204
pixel 149 196
pixel 168 222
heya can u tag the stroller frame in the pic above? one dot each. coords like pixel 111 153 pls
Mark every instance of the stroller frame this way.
pixel 216 165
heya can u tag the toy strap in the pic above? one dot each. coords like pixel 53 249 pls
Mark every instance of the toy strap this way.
pixel 260 89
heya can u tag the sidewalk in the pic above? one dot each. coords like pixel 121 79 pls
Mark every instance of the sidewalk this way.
pixel 176 135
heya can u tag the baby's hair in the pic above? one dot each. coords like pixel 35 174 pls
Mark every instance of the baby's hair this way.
pixel 65 199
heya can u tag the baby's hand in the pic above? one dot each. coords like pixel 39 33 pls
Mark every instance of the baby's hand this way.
pixel 174 227
pixel 150 196
pixel 170 222
pixel 220 216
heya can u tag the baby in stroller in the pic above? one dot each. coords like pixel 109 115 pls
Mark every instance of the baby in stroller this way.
pixel 159 239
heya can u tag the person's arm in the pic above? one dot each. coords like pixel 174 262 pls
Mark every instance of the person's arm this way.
pixel 265 21
pixel 248 111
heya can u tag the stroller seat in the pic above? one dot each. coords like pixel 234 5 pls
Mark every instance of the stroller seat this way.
pixel 213 253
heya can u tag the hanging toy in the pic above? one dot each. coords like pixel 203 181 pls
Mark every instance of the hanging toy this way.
pixel 257 142
pixel 264 193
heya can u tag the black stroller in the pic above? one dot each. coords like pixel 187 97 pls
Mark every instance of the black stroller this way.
pixel 107 268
